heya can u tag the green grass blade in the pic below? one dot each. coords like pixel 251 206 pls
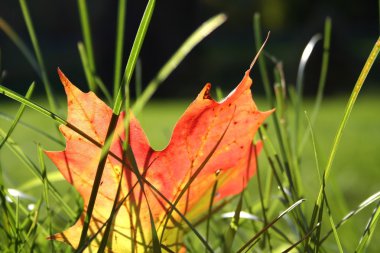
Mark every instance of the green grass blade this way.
pixel 46 191
pixel 104 241
pixel 373 198
pixel 86 67
pixel 197 36
pixel 301 240
pixel 233 227
pixel 15 96
pixel 253 239
pixel 299 88
pixel 138 78
pixel 351 102
pixel 261 60
pixel 103 88
pixel 37 51
pixel 86 31
pixel 285 147
pixel 209 213
pixel 322 78
pixel 2 72
pixel 135 51
pixel 369 230
pixel 8 30
pixel 324 67
pixel 120 27
pixel 98 177
pixel 336 235
pixel 35 129
pixel 18 115
pixel 363 75
pixel 262 202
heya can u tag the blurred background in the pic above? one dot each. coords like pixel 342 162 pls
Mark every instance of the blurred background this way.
pixel 220 59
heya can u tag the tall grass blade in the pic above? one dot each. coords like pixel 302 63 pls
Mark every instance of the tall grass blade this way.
pixel 17 116
pixel 30 127
pixel 233 227
pixel 369 230
pixel 46 193
pixel 253 239
pixel 37 51
pixel 336 235
pixel 13 36
pixel 363 75
pixel 262 65
pixel 302 239
pixel 373 198
pixel 138 78
pixel 120 27
pixel 86 66
pixel 2 72
pixel 135 51
pixel 209 213
pixel 322 79
pixel 98 177
pixel 197 36
pixel 351 102
pixel 299 88
pixel 103 88
pixel 262 202
pixel 86 31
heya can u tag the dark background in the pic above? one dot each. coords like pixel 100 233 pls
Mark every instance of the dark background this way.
pixel 220 59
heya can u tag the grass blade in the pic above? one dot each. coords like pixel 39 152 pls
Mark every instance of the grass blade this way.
pixel 135 51
pixel 197 36
pixel 17 116
pixel 262 64
pixel 120 27
pixel 253 239
pixel 37 51
pixel 361 207
pixel 8 30
pixel 209 213
pixel 351 102
pixel 234 225
pixel 35 129
pixel 322 78
pixel 86 31
pixel 336 236
pixel 302 239
pixel 46 193
pixel 368 231
pixel 299 88
pixel 86 67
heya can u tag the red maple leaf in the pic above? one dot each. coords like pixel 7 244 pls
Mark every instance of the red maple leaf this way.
pixel 213 139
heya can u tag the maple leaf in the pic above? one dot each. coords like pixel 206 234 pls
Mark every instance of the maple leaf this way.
pixel 212 139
